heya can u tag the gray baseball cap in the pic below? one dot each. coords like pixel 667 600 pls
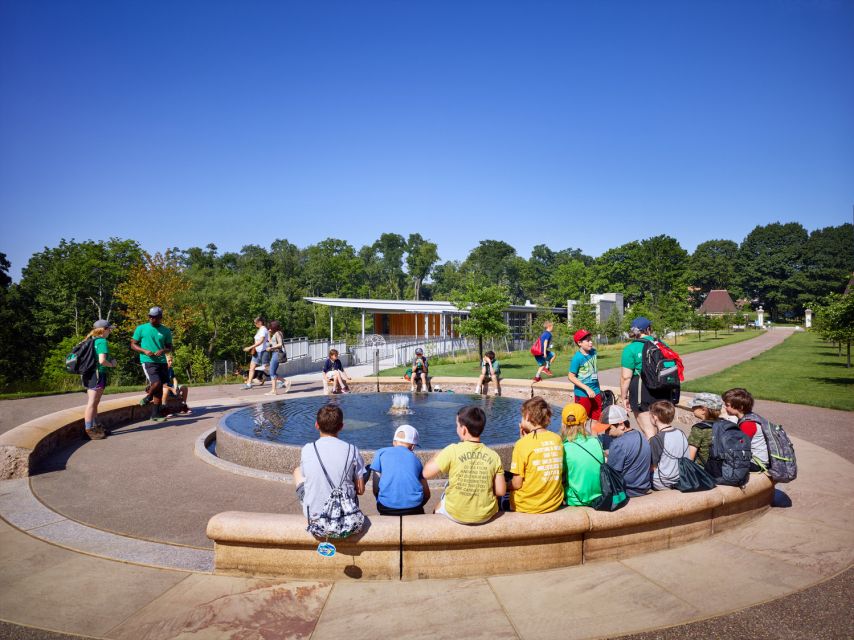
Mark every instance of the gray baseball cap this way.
pixel 155 312
pixel 102 324
pixel 707 400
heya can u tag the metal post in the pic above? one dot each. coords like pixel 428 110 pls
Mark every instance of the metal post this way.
pixel 416 326
pixel 363 327
pixel 330 327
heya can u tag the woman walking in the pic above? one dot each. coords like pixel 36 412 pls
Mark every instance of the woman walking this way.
pixel 277 351
pixel 96 380
pixel 258 349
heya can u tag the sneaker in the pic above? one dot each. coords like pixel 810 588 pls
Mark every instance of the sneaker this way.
pixel 537 379
pixel 548 372
pixel 96 433
pixel 287 385
pixel 247 386
pixel 159 419
pixel 145 400
pixel 345 391
pixel 271 393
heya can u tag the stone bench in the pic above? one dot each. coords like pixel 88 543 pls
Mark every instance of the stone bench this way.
pixel 431 546
pixel 23 447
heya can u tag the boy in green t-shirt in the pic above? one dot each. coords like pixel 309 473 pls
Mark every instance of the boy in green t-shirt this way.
pixel 475 474
pixel 706 407
pixel 152 341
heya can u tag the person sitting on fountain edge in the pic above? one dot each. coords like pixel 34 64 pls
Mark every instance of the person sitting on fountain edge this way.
pixel 475 474
pixel 420 372
pixel 397 483
pixel 331 456
pixel 334 374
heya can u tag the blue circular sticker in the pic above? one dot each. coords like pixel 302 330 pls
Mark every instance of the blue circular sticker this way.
pixel 326 549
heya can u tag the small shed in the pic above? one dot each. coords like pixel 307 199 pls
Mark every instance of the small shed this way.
pixel 717 303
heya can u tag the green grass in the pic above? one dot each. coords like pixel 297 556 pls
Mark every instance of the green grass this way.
pixel 522 365
pixel 801 370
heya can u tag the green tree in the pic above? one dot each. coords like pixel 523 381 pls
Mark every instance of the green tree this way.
pixel 834 321
pixel 485 304
pixel 611 327
pixel 447 278
pixel 421 256
pixel 770 257
pixel 570 281
pixel 675 314
pixel 583 317
pixel 390 249
pixel 714 265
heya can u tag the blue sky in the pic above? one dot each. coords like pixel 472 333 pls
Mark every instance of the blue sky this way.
pixel 574 124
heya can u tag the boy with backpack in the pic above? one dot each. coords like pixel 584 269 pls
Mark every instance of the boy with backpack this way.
pixel 667 446
pixel 328 464
pixel 706 407
pixel 584 375
pixel 397 483
pixel 541 352
pixel 739 403
pixel 475 474
pixel 537 462
pixel 628 451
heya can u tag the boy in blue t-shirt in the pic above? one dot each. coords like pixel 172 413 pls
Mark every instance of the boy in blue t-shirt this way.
pixel 545 360
pixel 399 487
pixel 584 375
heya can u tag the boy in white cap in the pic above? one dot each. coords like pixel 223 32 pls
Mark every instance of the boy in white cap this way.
pixel 628 451
pixel 398 486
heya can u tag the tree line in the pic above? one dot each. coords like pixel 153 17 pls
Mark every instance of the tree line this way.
pixel 210 298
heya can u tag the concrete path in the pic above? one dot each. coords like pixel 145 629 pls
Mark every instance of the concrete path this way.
pixel 808 538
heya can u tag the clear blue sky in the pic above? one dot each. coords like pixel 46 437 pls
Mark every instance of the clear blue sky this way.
pixel 575 124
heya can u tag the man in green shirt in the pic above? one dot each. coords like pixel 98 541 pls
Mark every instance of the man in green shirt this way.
pixel 152 341
pixel 635 396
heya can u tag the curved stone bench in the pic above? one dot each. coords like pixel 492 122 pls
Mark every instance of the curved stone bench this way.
pixel 22 448
pixel 431 546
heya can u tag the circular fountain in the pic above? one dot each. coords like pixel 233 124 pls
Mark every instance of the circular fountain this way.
pixel 269 436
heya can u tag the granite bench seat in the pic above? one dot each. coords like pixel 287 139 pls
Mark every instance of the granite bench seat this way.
pixel 431 546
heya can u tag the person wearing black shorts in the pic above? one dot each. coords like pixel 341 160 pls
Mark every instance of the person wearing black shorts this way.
pixel 152 341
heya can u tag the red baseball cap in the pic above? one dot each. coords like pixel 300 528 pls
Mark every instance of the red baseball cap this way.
pixel 580 335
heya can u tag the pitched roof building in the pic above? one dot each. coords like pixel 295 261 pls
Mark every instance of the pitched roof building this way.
pixel 717 303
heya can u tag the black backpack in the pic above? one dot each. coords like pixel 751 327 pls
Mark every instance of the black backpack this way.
pixel 729 456
pixel 658 373
pixel 81 360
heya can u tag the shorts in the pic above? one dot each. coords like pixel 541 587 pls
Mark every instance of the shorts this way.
pixel 156 372
pixel 261 358
pixel 441 510
pixel 593 405
pixel 94 380
pixel 641 404
pixel 330 375
pixel 544 360
pixel 408 511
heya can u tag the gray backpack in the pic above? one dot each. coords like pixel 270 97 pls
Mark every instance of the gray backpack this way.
pixel 782 464
pixel 340 516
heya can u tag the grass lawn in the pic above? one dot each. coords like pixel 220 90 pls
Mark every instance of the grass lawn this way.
pixel 802 370
pixel 522 365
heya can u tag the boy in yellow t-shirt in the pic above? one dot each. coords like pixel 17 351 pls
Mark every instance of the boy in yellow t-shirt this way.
pixel 537 463
pixel 475 474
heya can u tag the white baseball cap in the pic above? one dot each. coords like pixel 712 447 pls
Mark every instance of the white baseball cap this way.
pixel 406 434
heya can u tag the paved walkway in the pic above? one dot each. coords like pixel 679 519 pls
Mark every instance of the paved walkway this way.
pixel 110 484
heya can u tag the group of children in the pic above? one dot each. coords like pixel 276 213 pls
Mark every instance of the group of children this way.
pixel 547 470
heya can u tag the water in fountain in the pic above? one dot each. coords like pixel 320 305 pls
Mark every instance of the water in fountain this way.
pixel 400 404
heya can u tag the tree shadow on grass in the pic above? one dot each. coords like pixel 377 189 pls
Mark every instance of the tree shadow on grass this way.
pixel 839 382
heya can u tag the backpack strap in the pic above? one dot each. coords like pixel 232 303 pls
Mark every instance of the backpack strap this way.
pixel 588 453
pixel 322 466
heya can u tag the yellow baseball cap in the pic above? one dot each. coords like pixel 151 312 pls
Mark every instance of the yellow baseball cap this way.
pixel 573 414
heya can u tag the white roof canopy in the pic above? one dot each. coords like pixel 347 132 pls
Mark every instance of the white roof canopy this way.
pixel 417 306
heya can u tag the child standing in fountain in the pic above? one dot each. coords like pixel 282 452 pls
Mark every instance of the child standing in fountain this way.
pixel 475 474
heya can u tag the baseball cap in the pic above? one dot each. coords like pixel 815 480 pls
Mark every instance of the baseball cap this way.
pixel 708 400
pixel 419 351
pixel 102 324
pixel 641 323
pixel 407 434
pixel 154 312
pixel 580 335
pixel 573 414
pixel 615 414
